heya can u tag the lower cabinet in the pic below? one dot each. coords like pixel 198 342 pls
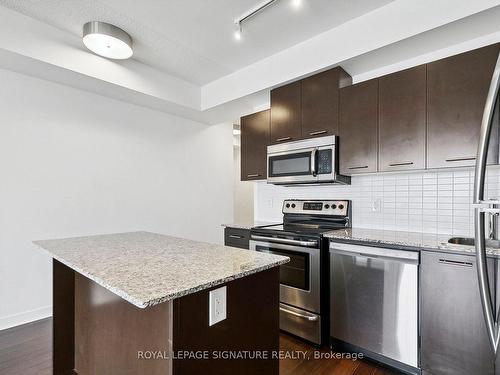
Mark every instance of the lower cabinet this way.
pixel 453 333
pixel 237 237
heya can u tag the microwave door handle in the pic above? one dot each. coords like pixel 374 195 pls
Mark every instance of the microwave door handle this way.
pixel 313 162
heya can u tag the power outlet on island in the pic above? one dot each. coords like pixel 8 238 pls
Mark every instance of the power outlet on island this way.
pixel 217 306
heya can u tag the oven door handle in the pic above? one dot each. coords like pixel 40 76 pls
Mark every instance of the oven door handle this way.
pixel 299 315
pixel 285 241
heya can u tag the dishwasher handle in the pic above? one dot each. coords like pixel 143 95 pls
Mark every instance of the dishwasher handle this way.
pixel 407 256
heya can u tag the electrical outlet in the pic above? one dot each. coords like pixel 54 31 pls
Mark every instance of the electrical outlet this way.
pixel 376 205
pixel 217 306
pixel 270 202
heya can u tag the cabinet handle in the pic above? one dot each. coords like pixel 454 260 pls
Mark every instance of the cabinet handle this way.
pixel 455 263
pixel 253 175
pixel 461 159
pixel 236 237
pixel 283 139
pixel 358 167
pixel 318 132
pixel 401 163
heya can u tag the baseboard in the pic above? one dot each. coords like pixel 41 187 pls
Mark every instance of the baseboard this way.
pixel 25 317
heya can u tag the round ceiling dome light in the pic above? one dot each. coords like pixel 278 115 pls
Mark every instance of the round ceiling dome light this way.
pixel 107 40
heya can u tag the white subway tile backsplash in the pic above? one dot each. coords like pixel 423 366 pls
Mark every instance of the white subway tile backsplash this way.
pixel 437 201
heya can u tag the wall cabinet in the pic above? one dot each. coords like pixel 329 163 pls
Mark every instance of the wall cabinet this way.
pixel 452 323
pixel 425 117
pixel 254 141
pixel 358 128
pixel 320 102
pixel 307 108
pixel 402 103
pixel 456 92
pixel 286 113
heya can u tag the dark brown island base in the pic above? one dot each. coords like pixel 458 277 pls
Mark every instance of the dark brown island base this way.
pixel 106 321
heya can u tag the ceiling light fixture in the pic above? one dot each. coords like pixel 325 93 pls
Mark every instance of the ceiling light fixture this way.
pixel 252 12
pixel 107 40
pixel 297 4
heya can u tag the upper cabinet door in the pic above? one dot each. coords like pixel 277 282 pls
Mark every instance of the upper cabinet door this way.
pixel 286 113
pixel 402 120
pixel 320 102
pixel 456 93
pixel 358 128
pixel 254 141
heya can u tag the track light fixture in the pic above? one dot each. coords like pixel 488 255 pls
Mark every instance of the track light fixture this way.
pixel 254 11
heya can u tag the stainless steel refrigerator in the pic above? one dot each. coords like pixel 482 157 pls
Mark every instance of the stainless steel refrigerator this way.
pixel 486 209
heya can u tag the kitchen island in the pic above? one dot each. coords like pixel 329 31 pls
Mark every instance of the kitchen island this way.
pixel 138 303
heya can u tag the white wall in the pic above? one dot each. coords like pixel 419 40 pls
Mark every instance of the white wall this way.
pixel 74 163
pixel 437 201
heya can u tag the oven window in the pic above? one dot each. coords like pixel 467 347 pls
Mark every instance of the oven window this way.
pixel 296 272
pixel 290 165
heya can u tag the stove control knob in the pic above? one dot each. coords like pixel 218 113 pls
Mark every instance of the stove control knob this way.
pixel 334 206
pixel 341 206
pixel 327 206
pixel 293 205
pixel 288 205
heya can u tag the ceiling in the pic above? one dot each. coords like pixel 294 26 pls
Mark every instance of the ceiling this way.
pixel 193 39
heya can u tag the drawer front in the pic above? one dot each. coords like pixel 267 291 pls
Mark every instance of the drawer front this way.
pixel 237 237
pixel 300 323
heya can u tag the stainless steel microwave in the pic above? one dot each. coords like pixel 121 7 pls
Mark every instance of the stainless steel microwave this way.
pixel 309 161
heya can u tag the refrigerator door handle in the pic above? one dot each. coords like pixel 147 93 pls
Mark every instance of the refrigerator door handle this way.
pixel 492 324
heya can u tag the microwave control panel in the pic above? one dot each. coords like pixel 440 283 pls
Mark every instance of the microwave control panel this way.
pixel 324 160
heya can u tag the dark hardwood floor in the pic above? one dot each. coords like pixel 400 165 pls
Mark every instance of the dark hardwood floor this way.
pixel 26 350
pixel 323 366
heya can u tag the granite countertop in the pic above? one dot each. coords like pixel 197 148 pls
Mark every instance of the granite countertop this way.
pixel 248 224
pixel 146 268
pixel 404 240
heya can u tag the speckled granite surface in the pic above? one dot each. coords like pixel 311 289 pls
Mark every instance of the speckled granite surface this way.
pixel 248 224
pixel 401 239
pixel 146 268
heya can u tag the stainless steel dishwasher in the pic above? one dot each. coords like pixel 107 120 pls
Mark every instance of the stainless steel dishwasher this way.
pixel 374 303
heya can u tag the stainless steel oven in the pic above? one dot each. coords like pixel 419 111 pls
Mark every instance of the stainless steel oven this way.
pixel 300 296
pixel 304 301
pixel 308 161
